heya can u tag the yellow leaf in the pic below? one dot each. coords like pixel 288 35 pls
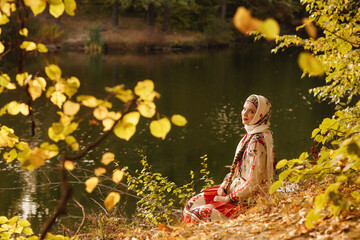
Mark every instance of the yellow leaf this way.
pixel 24 32
pixel 125 95
pixel 42 48
pixel 3 19
pixel 70 7
pixel 114 115
pixel 24 109
pixel 178 120
pixel 99 171
pixel 13 108
pixel 4 80
pixel 70 128
pixel 23 78
pixel 147 109
pixel 124 130
pixel 144 88
pixel 60 86
pixel 270 29
pixel 57 9
pixel 11 86
pixel 71 108
pixel 2 48
pixel 36 87
pixel 6 8
pixel 10 156
pixel 310 28
pixel 51 150
pixel 28 46
pixel 90 101
pixel 71 86
pixel 150 97
pixel 100 112
pixel 108 123
pixel 107 158
pixel 132 117
pixel 58 98
pixel 244 22
pixel 53 72
pixel 91 184
pixel 37 157
pixel 309 64
pixel 37 6
pixel 118 175
pixel 160 128
pixel 71 141
pixel 69 165
pixel 55 132
pixel 111 200
pixel 74 81
pixel 7 137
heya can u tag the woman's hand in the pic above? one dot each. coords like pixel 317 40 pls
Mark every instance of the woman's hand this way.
pixel 221 199
pixel 221 191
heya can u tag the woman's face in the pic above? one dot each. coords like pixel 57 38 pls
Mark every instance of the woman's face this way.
pixel 248 113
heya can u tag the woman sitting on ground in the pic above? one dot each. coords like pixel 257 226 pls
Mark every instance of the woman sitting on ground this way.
pixel 251 172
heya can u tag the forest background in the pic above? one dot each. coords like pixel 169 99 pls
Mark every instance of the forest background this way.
pixel 325 203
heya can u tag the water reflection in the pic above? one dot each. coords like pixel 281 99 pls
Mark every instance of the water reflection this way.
pixel 225 122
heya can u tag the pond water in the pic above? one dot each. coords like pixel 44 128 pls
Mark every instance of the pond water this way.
pixel 208 88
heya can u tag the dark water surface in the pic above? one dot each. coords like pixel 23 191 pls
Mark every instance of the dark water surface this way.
pixel 208 88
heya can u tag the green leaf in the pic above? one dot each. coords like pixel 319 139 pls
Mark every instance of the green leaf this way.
pixel 275 186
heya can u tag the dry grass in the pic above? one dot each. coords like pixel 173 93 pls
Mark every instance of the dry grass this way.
pixel 281 217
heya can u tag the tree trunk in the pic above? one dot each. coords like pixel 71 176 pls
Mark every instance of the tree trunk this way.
pixel 151 15
pixel 115 14
pixel 166 23
pixel 223 10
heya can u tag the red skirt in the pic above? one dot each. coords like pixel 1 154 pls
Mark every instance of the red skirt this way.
pixel 229 209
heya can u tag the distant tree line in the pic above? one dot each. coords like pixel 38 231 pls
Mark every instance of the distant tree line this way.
pixel 193 15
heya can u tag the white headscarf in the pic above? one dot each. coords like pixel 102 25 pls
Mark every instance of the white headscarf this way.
pixel 261 124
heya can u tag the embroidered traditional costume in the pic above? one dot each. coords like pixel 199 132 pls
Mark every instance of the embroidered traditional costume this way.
pixel 251 171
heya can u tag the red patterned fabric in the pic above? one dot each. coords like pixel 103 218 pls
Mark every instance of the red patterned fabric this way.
pixel 229 209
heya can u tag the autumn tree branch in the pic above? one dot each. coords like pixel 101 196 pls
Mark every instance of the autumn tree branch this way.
pixel 67 190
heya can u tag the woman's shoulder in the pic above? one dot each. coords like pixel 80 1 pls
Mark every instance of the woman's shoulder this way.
pixel 258 138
